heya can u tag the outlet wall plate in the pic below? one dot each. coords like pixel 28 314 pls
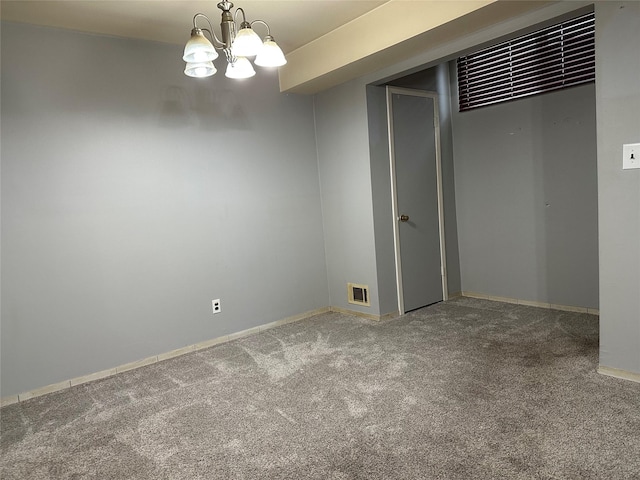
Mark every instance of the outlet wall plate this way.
pixel 216 306
pixel 630 156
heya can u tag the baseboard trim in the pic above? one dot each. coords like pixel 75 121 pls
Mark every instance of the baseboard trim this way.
pixel 56 387
pixel 618 373
pixel 368 316
pixel 530 303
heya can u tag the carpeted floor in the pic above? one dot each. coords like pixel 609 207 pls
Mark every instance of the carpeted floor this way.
pixel 467 389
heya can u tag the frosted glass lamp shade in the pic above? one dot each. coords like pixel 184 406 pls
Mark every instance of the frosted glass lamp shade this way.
pixel 246 44
pixel 241 68
pixel 200 70
pixel 198 49
pixel 271 55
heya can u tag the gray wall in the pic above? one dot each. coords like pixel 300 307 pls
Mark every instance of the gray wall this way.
pixel 345 179
pixel 116 235
pixel 133 195
pixel 526 193
pixel 356 238
pixel 618 104
pixel 381 198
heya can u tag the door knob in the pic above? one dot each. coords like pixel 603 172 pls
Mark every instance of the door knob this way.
pixel 404 218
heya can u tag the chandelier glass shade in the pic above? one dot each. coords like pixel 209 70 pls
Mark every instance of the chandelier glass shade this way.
pixel 236 43
pixel 201 69
pixel 270 55
pixel 241 68
pixel 247 43
pixel 198 48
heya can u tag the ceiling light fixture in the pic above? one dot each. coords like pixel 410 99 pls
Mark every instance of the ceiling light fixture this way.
pixel 237 44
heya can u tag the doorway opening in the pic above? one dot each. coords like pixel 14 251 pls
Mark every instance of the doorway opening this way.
pixel 417 197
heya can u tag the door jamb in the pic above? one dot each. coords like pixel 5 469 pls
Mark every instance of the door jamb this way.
pixel 394 193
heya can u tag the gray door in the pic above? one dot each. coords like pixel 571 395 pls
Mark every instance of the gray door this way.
pixel 416 160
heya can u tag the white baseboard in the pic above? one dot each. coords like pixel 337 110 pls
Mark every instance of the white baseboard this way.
pixel 618 373
pixel 369 316
pixel 55 387
pixel 11 399
pixel 530 303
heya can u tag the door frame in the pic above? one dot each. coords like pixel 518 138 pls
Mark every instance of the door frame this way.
pixel 394 189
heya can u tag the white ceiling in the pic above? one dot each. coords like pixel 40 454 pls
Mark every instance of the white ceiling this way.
pixel 327 42
pixel 293 23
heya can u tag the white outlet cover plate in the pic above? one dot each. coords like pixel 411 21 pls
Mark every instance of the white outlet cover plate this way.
pixel 215 306
pixel 629 150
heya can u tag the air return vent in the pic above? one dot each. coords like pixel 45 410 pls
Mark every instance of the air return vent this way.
pixel 358 294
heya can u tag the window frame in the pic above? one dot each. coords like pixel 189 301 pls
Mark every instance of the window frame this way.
pixel 552 58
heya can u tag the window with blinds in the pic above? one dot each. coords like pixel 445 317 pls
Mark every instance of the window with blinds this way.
pixel 555 57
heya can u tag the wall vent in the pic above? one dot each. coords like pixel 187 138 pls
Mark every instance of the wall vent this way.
pixel 358 294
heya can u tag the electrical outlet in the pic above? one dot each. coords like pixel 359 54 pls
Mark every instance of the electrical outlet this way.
pixel 630 156
pixel 216 306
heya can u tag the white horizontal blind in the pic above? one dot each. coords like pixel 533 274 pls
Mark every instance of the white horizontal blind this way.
pixel 555 57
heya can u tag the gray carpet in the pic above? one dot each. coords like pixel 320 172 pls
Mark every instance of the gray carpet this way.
pixel 467 389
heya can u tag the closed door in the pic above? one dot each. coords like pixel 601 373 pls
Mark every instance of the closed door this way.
pixel 414 129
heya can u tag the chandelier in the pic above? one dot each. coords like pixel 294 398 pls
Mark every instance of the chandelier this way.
pixel 236 43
